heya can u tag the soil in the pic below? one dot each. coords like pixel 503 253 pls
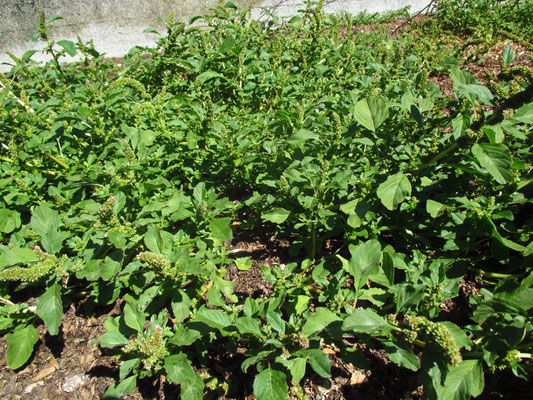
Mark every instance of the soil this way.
pixel 70 366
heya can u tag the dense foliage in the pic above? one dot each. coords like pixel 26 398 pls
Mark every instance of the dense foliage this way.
pixel 126 182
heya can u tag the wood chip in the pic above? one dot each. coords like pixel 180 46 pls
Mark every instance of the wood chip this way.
pixel 44 373
pixel 357 378
pixel 328 351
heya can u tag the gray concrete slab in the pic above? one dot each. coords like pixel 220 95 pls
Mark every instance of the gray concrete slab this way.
pixel 115 26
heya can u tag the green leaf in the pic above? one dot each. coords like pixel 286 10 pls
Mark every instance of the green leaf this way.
pixel 371 112
pixel 50 308
pixel 462 381
pixel 127 366
pixel 364 321
pixel 44 220
pixel 402 356
pixel 474 93
pixel 205 76
pixel 158 241
pixel 275 321
pixel 296 367
pixel 112 339
pixel 364 262
pixel 243 263
pixel 318 321
pixel 496 159
pixel 271 385
pixel 319 362
pixel 46 223
pixel 180 371
pixel 301 137
pixel 524 114
pixel 508 55
pixel 248 325
pixel 434 208
pixel 20 346
pixel 118 391
pixel 184 337
pixel 9 220
pixel 220 229
pixel 17 255
pixel 394 190
pixel 276 215
pixel 214 318
pixel 134 318
pixel 69 47
pixel 226 45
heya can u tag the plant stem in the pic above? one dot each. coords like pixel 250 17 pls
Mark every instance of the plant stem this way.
pixel 59 162
pixel 439 156
pixel 495 275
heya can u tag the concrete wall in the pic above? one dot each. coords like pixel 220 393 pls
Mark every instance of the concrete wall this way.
pixel 117 25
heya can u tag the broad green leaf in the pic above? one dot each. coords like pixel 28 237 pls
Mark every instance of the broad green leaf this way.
pixel 318 321
pixel 275 321
pixel 301 304
pixel 226 45
pixel 496 159
pixel 301 137
pixel 158 241
pixel 205 76
pixel 462 381
pixel 243 263
pixel 494 133
pixel 44 220
pixel 319 362
pixel 364 321
pixel 52 241
pixel 434 208
pixel 402 356
pixel 276 215
pixel 69 47
pixel 214 318
pixel 364 262
pixel 458 126
pixel 271 385
pixel 371 112
pixel 474 93
pixel 220 229
pixel 112 339
pixel 134 318
pixel 248 325
pixel 524 114
pixel 394 190
pixel 20 346
pixel 184 337
pixel 180 371
pixel 50 308
pixel 17 255
pixel 121 389
pixel 508 55
pixel 9 220
pixel 127 366
pixel 296 367
pixel 46 223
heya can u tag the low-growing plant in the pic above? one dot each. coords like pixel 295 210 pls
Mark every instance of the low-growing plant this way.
pixel 124 185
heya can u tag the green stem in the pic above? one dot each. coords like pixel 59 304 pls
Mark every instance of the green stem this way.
pixel 495 275
pixel 439 156
pixel 524 183
pixel 29 166
pixel 58 161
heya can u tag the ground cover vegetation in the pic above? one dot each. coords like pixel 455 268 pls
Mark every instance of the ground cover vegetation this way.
pixel 400 179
